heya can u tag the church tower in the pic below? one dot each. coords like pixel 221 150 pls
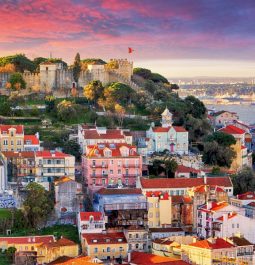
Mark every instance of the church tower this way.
pixel 167 118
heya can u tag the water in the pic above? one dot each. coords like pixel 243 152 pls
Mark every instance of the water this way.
pixel 246 113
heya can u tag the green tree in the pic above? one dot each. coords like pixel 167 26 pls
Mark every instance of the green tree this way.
pixel 66 110
pixel 77 68
pixel 5 108
pixel 20 61
pixel 196 107
pixel 73 148
pixel 170 167
pixel 50 102
pixel 17 82
pixel 143 72
pixel 222 138
pixel 244 181
pixel 37 205
pixel 93 90
pixel 37 61
pixel 10 253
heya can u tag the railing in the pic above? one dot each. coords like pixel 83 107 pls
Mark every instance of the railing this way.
pixel 245 253
pixel 130 165
pixel 216 228
pixel 99 166
pixel 98 175
pixel 199 225
pixel 130 175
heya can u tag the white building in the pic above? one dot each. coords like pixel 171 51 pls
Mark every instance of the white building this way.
pixel 168 137
pixel 31 142
pixel 3 177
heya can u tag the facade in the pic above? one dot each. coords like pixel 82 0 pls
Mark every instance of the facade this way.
pixel 211 251
pixel 68 196
pixel 168 137
pixel 243 199
pixel 105 246
pixel 180 186
pixel 159 209
pixel 137 238
pixel 90 222
pixel 223 118
pixel 188 172
pixel 250 210
pixel 166 232
pixel 93 135
pixel 3 177
pixel 122 207
pixel 31 143
pixel 111 165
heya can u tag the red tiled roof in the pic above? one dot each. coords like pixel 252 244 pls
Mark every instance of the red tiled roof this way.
pixel 161 195
pixel 32 138
pixel 71 261
pixel 165 183
pixel 115 148
pixel 104 238
pixel 166 230
pixel 218 244
pixel 105 191
pixel 252 204
pixel 25 154
pixel 110 134
pixel 249 195
pixel 215 206
pixel 5 128
pixel 231 129
pixel 141 258
pixel 160 129
pixel 204 188
pixel 177 199
pixel 50 154
pixel 28 239
pixel 179 129
pixel 85 216
pixel 184 169
pixel 230 215
pixel 65 242
pixel 243 147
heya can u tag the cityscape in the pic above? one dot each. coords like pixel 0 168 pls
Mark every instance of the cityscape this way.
pixel 127 132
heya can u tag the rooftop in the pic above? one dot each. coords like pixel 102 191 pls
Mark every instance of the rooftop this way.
pixel 106 134
pixel 31 140
pixel 249 195
pixel 28 239
pixel 5 128
pixel 214 206
pixel 85 216
pixel 124 191
pixel 231 129
pixel 166 229
pixel 104 238
pixel 51 154
pixel 240 241
pixel 217 243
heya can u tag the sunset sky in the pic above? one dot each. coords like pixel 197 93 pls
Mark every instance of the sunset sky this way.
pixel 174 37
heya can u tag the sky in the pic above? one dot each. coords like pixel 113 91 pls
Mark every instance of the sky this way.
pixel 177 38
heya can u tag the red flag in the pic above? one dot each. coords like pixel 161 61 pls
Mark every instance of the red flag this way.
pixel 130 50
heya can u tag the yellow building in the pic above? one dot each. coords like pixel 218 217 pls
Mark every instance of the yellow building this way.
pixel 11 138
pixel 164 247
pixel 212 251
pixel 105 246
pixel 159 209
pixel 44 248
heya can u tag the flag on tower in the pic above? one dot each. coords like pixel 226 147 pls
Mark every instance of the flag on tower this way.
pixel 130 50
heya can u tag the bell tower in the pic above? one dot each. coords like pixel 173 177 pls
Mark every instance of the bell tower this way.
pixel 167 118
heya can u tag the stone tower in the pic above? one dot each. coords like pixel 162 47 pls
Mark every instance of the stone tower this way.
pixel 167 118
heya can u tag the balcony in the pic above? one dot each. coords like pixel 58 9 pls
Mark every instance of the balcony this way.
pixel 131 166
pixel 245 254
pixel 99 166
pixel 216 228
pixel 130 175
pixel 207 228
pixel 99 175
pixel 199 225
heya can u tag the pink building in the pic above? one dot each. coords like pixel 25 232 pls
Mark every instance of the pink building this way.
pixel 111 164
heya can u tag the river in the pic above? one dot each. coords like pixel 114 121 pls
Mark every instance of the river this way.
pixel 246 113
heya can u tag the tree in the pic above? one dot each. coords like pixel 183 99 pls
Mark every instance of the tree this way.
pixel 37 205
pixel 73 148
pixel 5 108
pixel 50 102
pixel 77 68
pixel 170 166
pixel 222 138
pixel 244 181
pixel 93 90
pixel 196 107
pixel 17 82
pixel 10 253
pixel 66 110
pixel 120 111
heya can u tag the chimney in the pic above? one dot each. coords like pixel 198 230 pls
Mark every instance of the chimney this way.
pixel 129 257
pixel 205 179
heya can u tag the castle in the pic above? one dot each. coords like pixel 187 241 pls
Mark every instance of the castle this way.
pixel 54 76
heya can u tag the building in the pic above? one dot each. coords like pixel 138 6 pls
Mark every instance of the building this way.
pixel 180 186
pixel 111 165
pixel 223 118
pixel 159 209
pixel 93 135
pixel 105 246
pixel 122 207
pixel 12 138
pixel 188 172
pixel 166 232
pixel 81 260
pixel 211 251
pixel 168 137
pixel 90 222
pixel 250 210
pixel 43 248
pixel 68 197
pixel 3 177
pixel 137 238
pixel 245 249
pixel 244 199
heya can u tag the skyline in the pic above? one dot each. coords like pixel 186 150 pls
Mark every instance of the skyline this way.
pixel 177 38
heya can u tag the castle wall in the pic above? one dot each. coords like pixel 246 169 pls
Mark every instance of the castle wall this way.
pixel 4 77
pixel 32 80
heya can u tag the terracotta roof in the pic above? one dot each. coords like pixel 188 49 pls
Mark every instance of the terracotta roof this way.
pixel 25 154
pixel 249 195
pixel 5 128
pixel 32 139
pixel 50 154
pixel 243 147
pixel 240 241
pixel 230 215
pixel 141 258
pixel 71 261
pixel 115 148
pixel 215 206
pixel 28 239
pixel 184 169
pixel 104 238
pixel 110 134
pixel 219 243
pixel 105 191
pixel 204 188
pixel 160 129
pixel 251 204
pixel 163 241
pixel 178 199
pixel 179 129
pixel 223 111
pixel 231 129
pixel 65 242
pixel 85 216
pixel 166 229
pixel 161 195
pixel 165 183
pixel 63 180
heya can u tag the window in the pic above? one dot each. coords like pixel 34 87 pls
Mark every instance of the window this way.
pixel 12 134
pixel 111 171
pixel 119 171
pixel 95 250
pixel 126 181
pixel 103 181
pixel 136 246
pixel 94 181
pixel 136 235
pixel 18 142
pixel 151 215
pixel 108 249
pixel 233 225
pixel 5 142
pixel 130 235
pixel 237 225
